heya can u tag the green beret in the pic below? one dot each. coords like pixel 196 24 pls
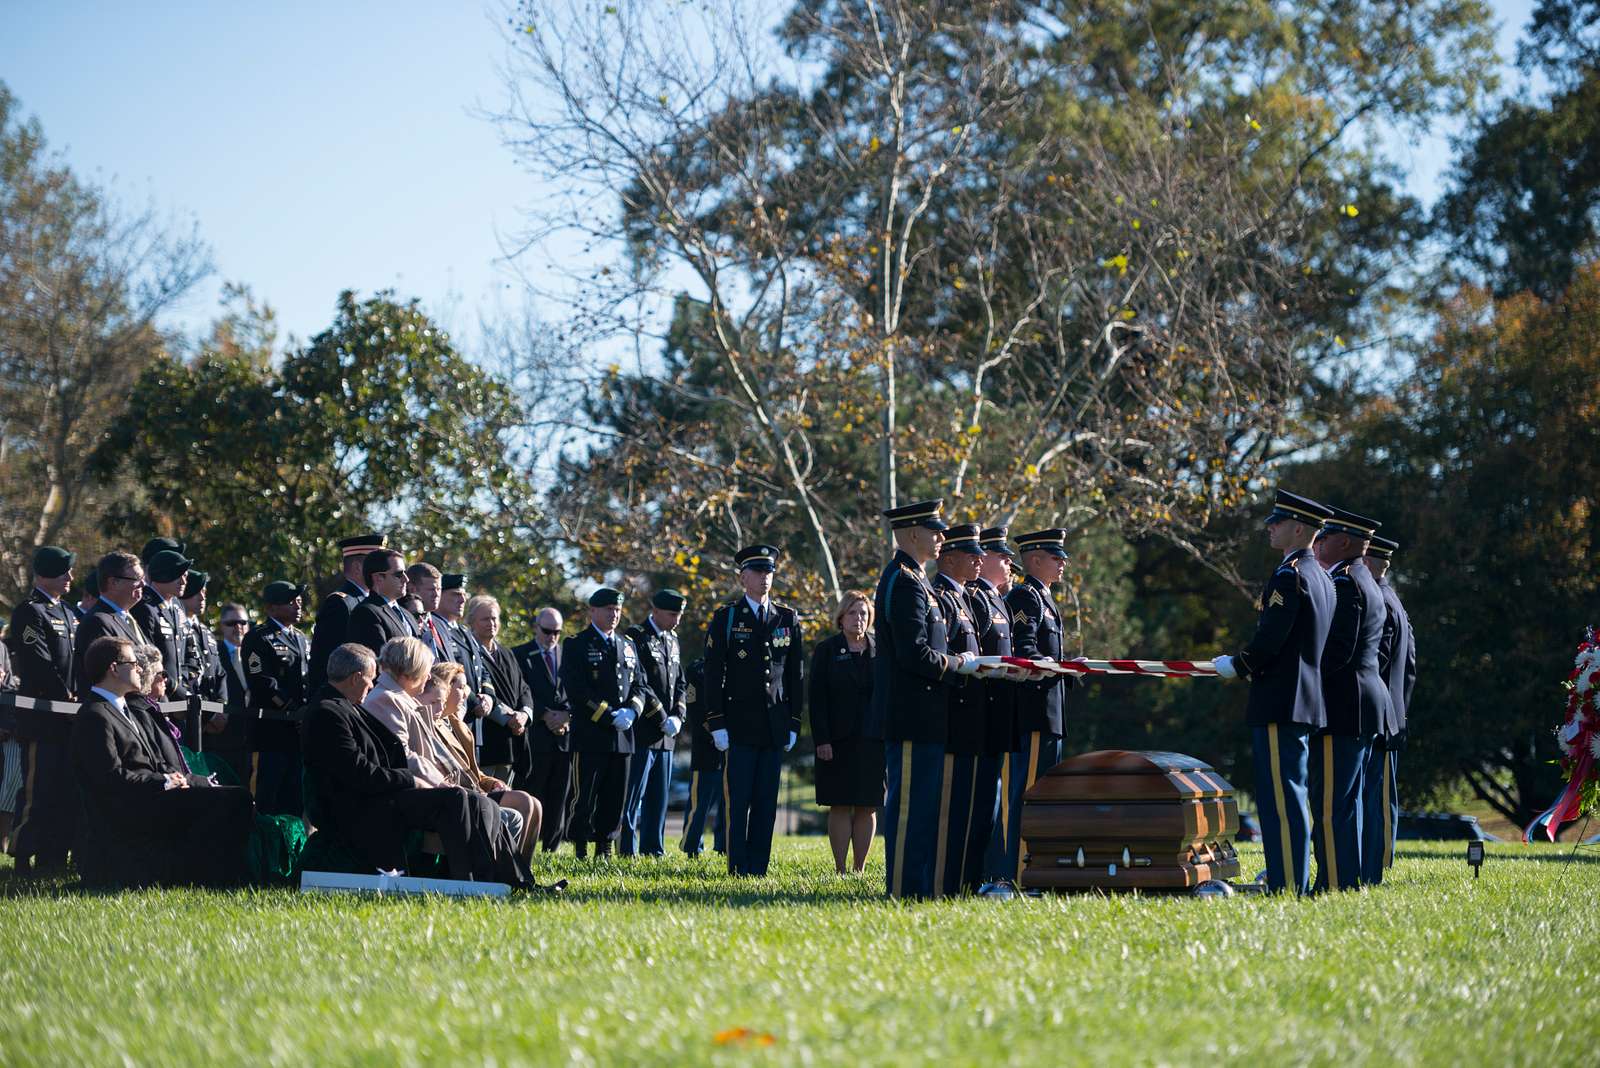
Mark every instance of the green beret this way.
pixel 156 545
pixel 52 561
pixel 168 565
pixel 452 581
pixel 605 597
pixel 281 592
pixel 197 582
pixel 669 600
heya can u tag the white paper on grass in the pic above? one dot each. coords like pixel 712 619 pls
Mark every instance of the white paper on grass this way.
pixel 332 882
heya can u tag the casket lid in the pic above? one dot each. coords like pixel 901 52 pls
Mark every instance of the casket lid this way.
pixel 1127 775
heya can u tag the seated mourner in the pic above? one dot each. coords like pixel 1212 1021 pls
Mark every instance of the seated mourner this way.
pixel 367 794
pixel 146 818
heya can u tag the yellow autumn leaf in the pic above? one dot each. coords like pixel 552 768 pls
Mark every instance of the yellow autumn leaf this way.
pixel 874 144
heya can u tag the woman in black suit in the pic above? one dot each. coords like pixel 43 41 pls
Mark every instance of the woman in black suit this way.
pixel 849 763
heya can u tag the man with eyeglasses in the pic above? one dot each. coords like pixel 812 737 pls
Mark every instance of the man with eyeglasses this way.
pixel 121 577
pixel 276 669
pixel 550 769
pixel 465 650
pixel 380 617
pixel 43 629
pixel 234 624
pixel 160 616
pixel 147 820
pixel 333 615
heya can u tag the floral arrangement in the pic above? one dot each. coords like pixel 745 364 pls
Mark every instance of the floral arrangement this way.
pixel 1579 740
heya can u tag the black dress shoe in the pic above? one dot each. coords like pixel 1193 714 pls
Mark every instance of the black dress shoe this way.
pixel 582 848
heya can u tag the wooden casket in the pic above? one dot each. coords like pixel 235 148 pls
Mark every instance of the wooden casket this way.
pixel 1121 820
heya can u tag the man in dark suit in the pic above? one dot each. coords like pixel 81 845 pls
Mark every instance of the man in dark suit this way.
pixel 147 819
pixel 1357 701
pixel 276 670
pixel 366 793
pixel 752 704
pixel 644 820
pixel 550 770
pixel 121 578
pixel 380 617
pixel 160 615
pixel 1397 665
pixel 913 673
pixel 41 637
pixel 601 673
pixel 1040 706
pixel 1283 662
pixel 333 614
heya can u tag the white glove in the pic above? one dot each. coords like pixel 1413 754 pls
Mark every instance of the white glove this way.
pixel 1225 668
pixel 969 664
pixel 720 740
pixel 672 726
pixel 623 719
pixel 793 737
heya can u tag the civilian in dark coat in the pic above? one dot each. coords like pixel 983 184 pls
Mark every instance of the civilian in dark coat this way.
pixel 849 760
pixel 380 617
pixel 550 772
pixel 145 818
pixel 365 792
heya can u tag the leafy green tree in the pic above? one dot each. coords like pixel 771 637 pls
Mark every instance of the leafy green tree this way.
pixel 378 422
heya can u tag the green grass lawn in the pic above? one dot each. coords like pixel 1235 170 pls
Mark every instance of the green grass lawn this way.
pixel 647 962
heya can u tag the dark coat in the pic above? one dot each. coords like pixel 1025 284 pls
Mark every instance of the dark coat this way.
pixel 600 679
pixel 964 733
pixel 704 756
pixel 1357 695
pixel 277 672
pixel 754 674
pixel 662 659
pixel 103 621
pixel 499 745
pixel 913 668
pixel 375 621
pixel 41 638
pixel 993 621
pixel 1283 659
pixel 1036 631
pixel 840 690
pixel 356 766
pixel 332 629
pixel 163 624
pixel 1397 660
pixel 548 695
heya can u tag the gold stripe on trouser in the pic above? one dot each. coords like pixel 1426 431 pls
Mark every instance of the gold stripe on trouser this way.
pixel 1388 817
pixel 1033 773
pixel 694 802
pixel 1291 881
pixel 1005 799
pixel 966 832
pixel 727 800
pixel 1328 851
pixel 944 827
pixel 901 819
pixel 255 772
pixel 27 791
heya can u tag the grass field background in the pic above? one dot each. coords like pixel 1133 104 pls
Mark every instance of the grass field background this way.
pixel 671 961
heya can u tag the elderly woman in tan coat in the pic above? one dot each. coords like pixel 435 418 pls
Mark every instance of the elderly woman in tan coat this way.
pixel 405 666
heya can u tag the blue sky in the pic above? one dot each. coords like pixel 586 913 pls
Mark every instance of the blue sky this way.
pixel 322 146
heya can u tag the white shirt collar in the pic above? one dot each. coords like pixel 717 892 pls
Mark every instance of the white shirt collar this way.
pixel 757 606
pixel 121 703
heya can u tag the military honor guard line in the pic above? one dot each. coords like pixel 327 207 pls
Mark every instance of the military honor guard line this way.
pixel 401 730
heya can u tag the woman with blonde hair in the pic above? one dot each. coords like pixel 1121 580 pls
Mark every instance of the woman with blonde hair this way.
pixel 444 699
pixel 850 768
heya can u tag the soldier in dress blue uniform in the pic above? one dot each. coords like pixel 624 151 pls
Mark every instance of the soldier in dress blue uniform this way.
pixel 644 820
pixel 752 704
pixel 332 628
pixel 1397 664
pixel 160 616
pixel 705 772
pixel 987 870
pixel 1357 701
pixel 914 672
pixel 468 652
pixel 41 636
pixel 277 668
pixel 965 826
pixel 549 775
pixel 605 683
pixel 1283 662
pixel 1040 706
